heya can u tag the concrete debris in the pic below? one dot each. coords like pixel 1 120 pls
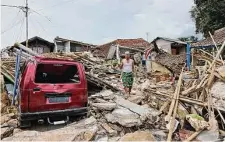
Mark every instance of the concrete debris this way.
pixel 221 71
pixel 114 117
pixel 145 85
pixel 85 123
pixel 103 139
pixel 86 135
pixel 208 136
pixel 136 99
pixel 159 135
pixel 124 117
pixel 104 106
pixel 6 132
pixel 109 130
pixel 138 136
pixel 140 110
pixel 5 118
pixel 197 122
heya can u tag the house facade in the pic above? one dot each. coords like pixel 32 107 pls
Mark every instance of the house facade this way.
pixel 171 46
pixel 66 45
pixel 39 45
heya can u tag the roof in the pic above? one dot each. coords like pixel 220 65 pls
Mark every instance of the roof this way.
pixel 139 43
pixel 218 36
pixel 169 39
pixel 59 39
pixel 40 39
pixel 172 62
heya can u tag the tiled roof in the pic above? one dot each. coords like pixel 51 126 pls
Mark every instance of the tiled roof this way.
pixel 139 43
pixel 219 37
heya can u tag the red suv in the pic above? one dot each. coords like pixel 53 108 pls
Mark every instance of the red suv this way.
pixel 51 88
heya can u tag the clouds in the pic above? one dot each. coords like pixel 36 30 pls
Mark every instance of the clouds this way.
pixel 99 21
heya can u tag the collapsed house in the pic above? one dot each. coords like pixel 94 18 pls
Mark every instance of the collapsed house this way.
pixel 189 109
pixel 166 56
pixel 109 50
pixel 208 43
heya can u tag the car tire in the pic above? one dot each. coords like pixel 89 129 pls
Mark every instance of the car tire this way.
pixel 24 124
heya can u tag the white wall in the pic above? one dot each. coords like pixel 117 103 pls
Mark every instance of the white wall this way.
pixel 164 45
pixel 67 46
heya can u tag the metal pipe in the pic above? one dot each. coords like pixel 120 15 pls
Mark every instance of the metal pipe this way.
pixel 23 53
pixel 188 56
pixel 16 76
pixel 26 49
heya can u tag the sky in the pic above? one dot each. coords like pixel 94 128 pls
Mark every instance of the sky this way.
pixel 97 21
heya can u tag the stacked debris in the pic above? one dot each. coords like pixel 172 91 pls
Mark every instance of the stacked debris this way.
pixel 188 109
pixel 173 62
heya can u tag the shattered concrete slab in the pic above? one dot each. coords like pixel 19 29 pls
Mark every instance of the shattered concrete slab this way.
pixel 208 136
pixel 86 135
pixel 136 98
pixel 83 131
pixel 109 130
pixel 84 123
pixel 140 110
pixel 104 106
pixel 138 136
pixel 124 117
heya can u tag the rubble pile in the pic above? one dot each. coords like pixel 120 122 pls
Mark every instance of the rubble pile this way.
pixel 191 108
pixel 173 62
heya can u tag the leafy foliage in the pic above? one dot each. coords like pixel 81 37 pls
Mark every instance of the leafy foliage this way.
pixel 209 15
pixel 188 39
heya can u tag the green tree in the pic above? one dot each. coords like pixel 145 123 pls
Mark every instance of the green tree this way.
pixel 209 15
pixel 188 39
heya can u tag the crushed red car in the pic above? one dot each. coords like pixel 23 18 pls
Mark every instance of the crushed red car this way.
pixel 51 88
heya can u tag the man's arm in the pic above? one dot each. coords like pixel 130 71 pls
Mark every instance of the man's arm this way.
pixel 121 65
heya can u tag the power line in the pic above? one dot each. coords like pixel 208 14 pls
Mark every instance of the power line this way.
pixel 41 26
pixel 13 23
pixel 20 31
pixel 4 5
pixel 42 15
pixel 10 28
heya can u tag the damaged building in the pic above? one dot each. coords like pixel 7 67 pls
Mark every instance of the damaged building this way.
pixel 165 55
pixel 66 45
pixel 208 43
pixel 39 45
pixel 109 50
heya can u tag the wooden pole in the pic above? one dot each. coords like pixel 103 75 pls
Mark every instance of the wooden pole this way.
pixel 218 54
pixel 215 44
pixel 194 135
pixel 176 95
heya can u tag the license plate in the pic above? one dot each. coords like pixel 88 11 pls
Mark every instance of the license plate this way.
pixel 58 99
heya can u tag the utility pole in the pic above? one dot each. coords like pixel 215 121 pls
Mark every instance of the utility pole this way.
pixel 25 9
pixel 147 36
pixel 26 12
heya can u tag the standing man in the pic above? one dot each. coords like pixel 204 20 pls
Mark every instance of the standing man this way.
pixel 127 66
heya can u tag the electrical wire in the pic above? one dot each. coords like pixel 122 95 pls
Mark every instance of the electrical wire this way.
pixel 20 31
pixel 14 6
pixel 37 32
pixel 13 23
pixel 10 28
pixel 41 26
pixel 41 15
